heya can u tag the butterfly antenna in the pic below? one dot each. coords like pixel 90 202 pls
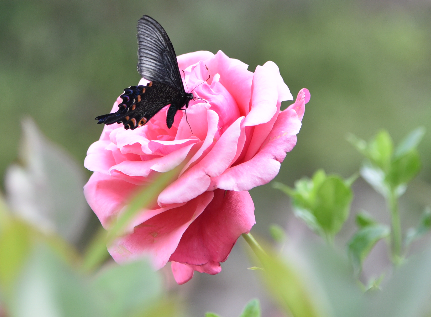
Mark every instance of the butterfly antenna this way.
pixel 205 81
pixel 185 111
pixel 184 79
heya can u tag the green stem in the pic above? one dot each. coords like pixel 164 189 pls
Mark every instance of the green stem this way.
pixel 254 245
pixel 396 243
pixel 329 239
pixel 96 252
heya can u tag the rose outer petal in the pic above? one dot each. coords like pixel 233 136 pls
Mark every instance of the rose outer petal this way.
pixel 159 236
pixel 299 105
pixel 98 158
pixel 265 165
pixel 210 238
pixel 107 195
pixel 182 272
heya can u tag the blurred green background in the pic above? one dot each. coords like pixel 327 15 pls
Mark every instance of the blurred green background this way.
pixel 366 63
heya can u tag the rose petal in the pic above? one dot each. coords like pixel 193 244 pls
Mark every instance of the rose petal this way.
pixel 258 136
pixel 212 123
pixel 182 272
pixel 163 147
pixel 299 105
pixel 212 235
pixel 209 268
pixel 107 195
pixel 264 166
pixel 185 60
pixel 159 236
pixel 197 180
pixel 283 91
pixel 222 103
pixel 197 118
pixel 160 164
pixel 99 159
pixel 235 77
pixel 264 97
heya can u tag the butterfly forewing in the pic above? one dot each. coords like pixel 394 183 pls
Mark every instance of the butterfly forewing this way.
pixel 157 60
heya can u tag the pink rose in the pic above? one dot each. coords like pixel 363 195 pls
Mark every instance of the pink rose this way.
pixel 236 140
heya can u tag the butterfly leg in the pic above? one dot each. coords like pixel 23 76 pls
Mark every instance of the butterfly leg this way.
pixel 170 117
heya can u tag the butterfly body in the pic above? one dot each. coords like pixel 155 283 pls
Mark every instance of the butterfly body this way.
pixel 157 62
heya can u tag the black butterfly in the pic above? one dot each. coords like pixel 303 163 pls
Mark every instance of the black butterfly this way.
pixel 157 62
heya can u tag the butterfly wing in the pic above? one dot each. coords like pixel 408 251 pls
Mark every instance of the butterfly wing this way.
pixel 157 60
pixel 141 103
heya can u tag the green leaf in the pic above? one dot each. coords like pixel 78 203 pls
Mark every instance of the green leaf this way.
pixel 5 215
pixel 277 233
pixel 359 144
pixel 15 247
pixel 306 215
pixel 252 309
pixel 209 314
pixel 421 229
pixel 17 241
pixel 166 307
pixel 388 171
pixel 332 204
pixel 380 150
pixel 376 178
pixel 323 202
pixel 135 287
pixel 410 142
pixel 364 219
pixel 49 287
pixel 286 189
pixel 374 283
pixel 363 241
pixel 46 189
pixel 403 169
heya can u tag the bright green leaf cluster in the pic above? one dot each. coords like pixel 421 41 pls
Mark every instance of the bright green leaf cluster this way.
pixel 323 202
pixel 387 169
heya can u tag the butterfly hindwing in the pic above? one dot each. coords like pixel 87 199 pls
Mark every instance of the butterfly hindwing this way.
pixel 140 104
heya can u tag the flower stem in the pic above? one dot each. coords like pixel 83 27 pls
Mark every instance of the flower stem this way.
pixel 254 245
pixel 396 235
